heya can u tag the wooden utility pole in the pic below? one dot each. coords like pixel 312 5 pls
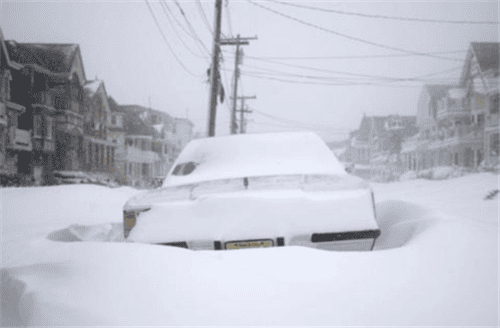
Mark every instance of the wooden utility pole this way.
pixel 242 111
pixel 214 70
pixel 237 61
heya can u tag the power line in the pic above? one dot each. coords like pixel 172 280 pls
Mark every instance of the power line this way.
pixel 348 36
pixel 166 42
pixel 193 31
pixel 379 77
pixel 164 3
pixel 177 33
pixel 292 122
pixel 353 79
pixel 385 17
pixel 357 57
pixel 284 126
pixel 204 16
pixel 326 84
pixel 228 18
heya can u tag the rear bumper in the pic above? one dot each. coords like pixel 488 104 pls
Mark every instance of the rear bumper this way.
pixel 337 241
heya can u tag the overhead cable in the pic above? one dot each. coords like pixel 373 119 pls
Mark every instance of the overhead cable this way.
pixel 355 57
pixel 349 36
pixel 181 39
pixel 166 42
pixel 421 20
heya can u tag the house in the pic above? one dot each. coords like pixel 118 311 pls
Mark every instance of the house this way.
pixel 98 149
pixel 50 87
pixel 480 80
pixel 170 135
pixel 379 136
pixel 447 134
pixel 374 149
pixel 458 123
pixel 116 136
pixel 135 160
pixel 14 142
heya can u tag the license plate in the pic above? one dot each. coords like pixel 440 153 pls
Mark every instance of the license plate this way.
pixel 249 244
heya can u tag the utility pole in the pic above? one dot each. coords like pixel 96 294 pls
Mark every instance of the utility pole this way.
pixel 242 111
pixel 237 61
pixel 214 70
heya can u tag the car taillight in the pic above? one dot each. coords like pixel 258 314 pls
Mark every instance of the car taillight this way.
pixel 129 218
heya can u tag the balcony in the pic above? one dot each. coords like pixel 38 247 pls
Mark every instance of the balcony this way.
pixel 67 104
pixel 136 155
pixel 44 98
pixel 453 111
pixel 19 139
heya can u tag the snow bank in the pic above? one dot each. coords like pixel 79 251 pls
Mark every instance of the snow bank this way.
pixel 435 264
pixel 435 279
pixel 248 155
pixel 435 173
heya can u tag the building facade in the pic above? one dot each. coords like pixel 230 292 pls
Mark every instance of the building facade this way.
pixel 458 123
pixel 98 150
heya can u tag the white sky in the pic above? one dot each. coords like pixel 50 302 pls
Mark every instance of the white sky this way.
pixel 121 45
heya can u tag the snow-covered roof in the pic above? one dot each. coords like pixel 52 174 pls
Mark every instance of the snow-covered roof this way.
pixel 158 127
pixel 248 155
pixel 92 86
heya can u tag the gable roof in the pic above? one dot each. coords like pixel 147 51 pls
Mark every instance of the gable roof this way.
pixel 91 87
pixel 5 53
pixel 134 125
pixel 437 91
pixel 487 54
pixel 375 125
pixel 54 57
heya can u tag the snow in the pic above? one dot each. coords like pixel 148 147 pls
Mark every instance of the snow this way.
pixel 93 86
pixel 435 264
pixel 267 214
pixel 158 127
pixel 248 155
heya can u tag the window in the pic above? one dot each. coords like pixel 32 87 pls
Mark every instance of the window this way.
pixel 38 125
pixel 143 145
pixel 145 169
pixel 113 119
pixel 480 119
pixel 130 168
pixel 48 128
pixel 494 145
pixel 494 104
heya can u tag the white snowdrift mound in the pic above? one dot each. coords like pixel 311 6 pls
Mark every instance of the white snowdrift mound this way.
pixel 430 268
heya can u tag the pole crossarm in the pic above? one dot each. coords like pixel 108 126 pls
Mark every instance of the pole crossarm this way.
pixel 238 41
pixel 235 41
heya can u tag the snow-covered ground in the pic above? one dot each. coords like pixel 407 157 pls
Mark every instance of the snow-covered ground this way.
pixel 435 264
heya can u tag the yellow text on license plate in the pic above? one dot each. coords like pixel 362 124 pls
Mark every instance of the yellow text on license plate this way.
pixel 249 244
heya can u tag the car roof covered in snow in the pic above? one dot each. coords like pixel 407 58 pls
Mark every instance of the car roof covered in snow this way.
pixel 250 155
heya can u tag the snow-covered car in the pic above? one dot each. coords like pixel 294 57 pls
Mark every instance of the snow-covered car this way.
pixel 256 190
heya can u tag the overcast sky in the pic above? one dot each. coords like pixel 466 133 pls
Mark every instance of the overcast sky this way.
pixel 305 69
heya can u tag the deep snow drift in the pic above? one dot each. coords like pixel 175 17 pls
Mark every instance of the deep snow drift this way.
pixel 436 263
